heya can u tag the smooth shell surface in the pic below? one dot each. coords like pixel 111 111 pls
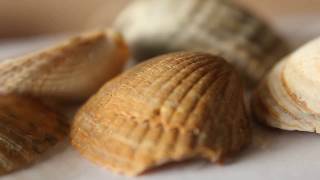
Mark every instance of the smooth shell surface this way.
pixel 27 129
pixel 154 27
pixel 289 97
pixel 170 108
pixel 70 71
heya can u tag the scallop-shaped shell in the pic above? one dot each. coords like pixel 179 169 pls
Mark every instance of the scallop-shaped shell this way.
pixel 27 129
pixel 289 97
pixel 153 27
pixel 71 71
pixel 170 108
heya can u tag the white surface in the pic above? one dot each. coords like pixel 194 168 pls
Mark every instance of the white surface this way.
pixel 274 154
pixel 293 156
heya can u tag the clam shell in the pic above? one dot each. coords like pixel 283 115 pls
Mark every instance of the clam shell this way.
pixel 171 108
pixel 153 27
pixel 289 97
pixel 70 71
pixel 27 129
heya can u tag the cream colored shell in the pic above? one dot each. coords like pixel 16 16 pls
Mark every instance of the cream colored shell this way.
pixel 289 97
pixel 171 108
pixel 153 27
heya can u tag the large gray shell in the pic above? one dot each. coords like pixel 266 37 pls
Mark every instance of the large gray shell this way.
pixel 153 27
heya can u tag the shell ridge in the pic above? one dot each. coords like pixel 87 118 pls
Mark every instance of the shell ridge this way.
pixel 157 81
pixel 149 69
pixel 233 117
pixel 180 70
pixel 174 70
pixel 203 94
pixel 219 109
pixel 296 102
pixel 168 81
pixel 194 85
pixel 198 68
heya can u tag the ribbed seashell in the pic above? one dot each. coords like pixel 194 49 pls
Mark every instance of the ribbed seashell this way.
pixel 70 71
pixel 153 27
pixel 27 129
pixel 171 108
pixel 289 97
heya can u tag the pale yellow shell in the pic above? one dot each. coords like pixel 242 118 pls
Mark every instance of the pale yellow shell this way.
pixel 153 27
pixel 171 108
pixel 289 97
pixel 70 71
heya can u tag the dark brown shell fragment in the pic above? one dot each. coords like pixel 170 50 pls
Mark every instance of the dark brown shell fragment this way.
pixel 27 129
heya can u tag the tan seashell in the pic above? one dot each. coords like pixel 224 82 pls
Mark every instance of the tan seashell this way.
pixel 289 97
pixel 171 108
pixel 153 27
pixel 71 71
pixel 27 129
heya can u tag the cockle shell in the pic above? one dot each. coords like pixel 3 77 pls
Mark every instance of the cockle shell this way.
pixel 171 108
pixel 70 71
pixel 27 129
pixel 153 27
pixel 289 97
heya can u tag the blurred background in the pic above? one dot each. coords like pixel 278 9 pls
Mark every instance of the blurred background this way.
pixel 25 18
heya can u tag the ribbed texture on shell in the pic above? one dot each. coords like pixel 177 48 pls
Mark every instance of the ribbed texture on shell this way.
pixel 289 97
pixel 153 27
pixel 71 71
pixel 27 129
pixel 170 108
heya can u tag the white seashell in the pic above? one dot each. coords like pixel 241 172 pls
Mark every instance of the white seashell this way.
pixel 289 97
pixel 71 71
pixel 153 27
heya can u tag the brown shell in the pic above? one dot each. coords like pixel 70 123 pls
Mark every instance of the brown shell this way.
pixel 27 129
pixel 70 71
pixel 171 108
pixel 154 27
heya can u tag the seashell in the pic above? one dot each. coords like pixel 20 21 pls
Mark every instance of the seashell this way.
pixel 171 108
pixel 289 97
pixel 27 129
pixel 70 71
pixel 153 27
